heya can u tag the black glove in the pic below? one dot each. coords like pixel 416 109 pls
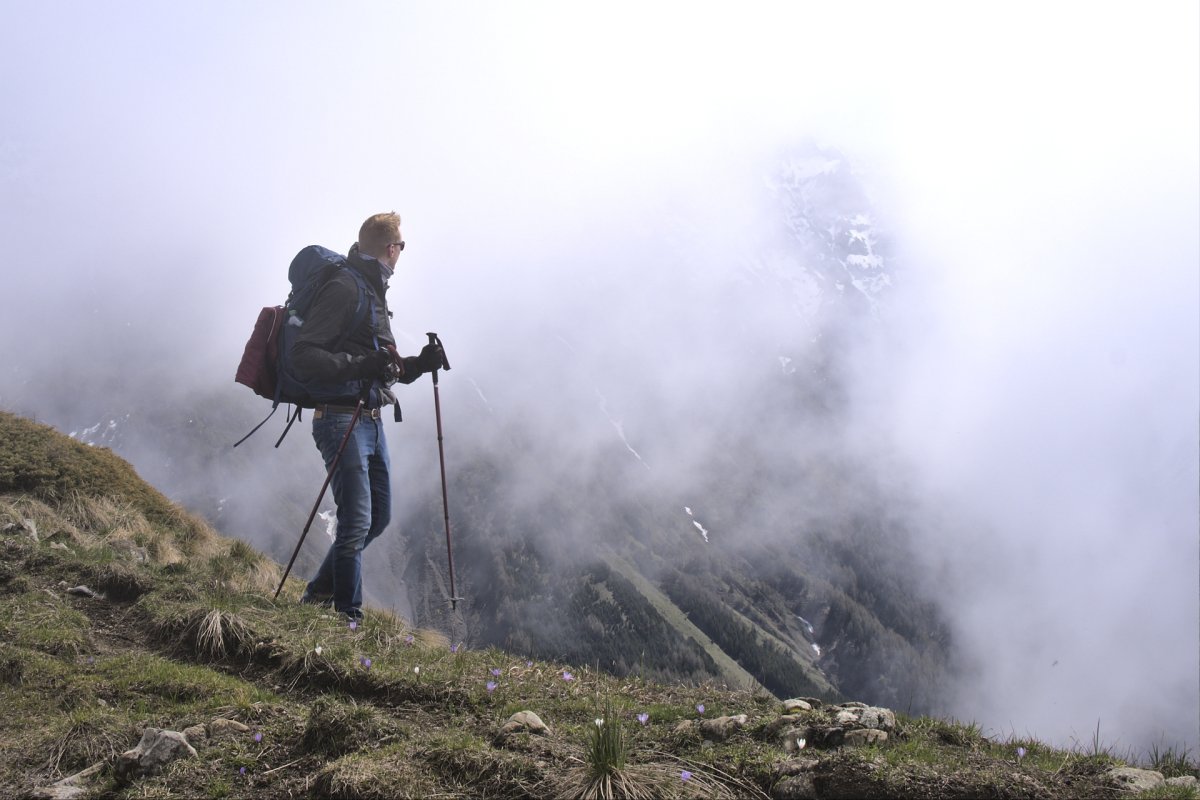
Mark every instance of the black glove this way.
pixel 376 364
pixel 431 358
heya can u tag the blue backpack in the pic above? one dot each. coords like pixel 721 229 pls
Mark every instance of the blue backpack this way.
pixel 266 365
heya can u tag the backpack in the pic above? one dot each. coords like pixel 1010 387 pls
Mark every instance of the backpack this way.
pixel 266 365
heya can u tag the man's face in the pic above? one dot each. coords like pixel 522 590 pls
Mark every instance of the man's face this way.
pixel 394 248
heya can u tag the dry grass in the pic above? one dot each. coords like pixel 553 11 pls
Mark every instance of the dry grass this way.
pixel 214 633
pixel 49 522
pixel 666 776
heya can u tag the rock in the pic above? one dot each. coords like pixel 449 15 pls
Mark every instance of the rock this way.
pixel 878 718
pixel 847 717
pixel 797 787
pixel 1186 781
pixel 860 715
pixel 156 749
pixel 526 722
pixel 721 728
pixel 1134 780
pixel 81 591
pixel 685 727
pixel 225 727
pixel 860 737
pixel 25 526
pixel 195 734
pixel 796 704
pixel 70 787
pixel 795 766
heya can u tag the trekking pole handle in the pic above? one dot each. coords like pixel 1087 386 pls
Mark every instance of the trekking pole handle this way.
pixel 433 339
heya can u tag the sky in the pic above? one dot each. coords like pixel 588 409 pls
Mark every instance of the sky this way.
pixel 1037 163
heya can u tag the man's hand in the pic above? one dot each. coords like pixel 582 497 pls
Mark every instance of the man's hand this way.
pixel 431 358
pixel 376 364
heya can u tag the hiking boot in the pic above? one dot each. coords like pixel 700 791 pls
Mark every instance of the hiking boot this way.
pixel 322 600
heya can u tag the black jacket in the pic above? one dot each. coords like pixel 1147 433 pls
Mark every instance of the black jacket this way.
pixel 332 312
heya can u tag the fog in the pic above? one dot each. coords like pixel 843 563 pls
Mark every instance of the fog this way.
pixel 581 188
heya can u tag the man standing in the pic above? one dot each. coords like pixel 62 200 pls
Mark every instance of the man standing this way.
pixel 352 354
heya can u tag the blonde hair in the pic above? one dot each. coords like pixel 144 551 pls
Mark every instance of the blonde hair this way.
pixel 378 232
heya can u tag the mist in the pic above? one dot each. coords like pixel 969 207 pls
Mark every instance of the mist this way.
pixel 584 192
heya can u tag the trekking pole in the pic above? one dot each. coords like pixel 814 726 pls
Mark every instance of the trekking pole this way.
pixel 437 411
pixel 328 477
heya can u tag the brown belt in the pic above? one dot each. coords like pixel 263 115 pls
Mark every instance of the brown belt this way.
pixel 367 413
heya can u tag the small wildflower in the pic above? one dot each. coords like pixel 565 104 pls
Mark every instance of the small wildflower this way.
pixel 496 673
pixel 800 742
pixel 317 650
pixel 568 676
pixel 408 639
pixel 643 718
pixel 528 663
pixel 242 771
pixel 685 776
pixel 599 722
pixel 366 662
pixel 1020 753
pixel 417 670
pixel 258 736
pixel 353 624
pixel 491 686
pixel 700 708
pixel 453 648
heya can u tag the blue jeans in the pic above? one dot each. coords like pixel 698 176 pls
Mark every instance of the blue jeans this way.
pixel 363 494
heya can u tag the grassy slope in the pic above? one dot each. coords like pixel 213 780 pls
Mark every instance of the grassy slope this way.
pixel 731 671
pixel 191 636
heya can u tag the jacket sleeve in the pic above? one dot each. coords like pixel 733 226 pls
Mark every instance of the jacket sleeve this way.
pixel 327 322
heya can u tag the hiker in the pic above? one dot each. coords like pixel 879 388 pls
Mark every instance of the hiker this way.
pixel 366 359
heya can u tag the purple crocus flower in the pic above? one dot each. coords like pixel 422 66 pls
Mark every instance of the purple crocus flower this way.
pixel 453 648
pixel 568 676
pixel 700 708
pixel 496 673
pixel 685 776
pixel 258 736
pixel 366 662
pixel 491 686
pixel 643 718
pixel 353 625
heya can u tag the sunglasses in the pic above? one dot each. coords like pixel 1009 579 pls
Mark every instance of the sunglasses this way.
pixel 399 244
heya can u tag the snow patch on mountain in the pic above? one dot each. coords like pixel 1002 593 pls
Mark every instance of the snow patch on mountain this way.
pixel 102 434
pixel 620 429
pixel 696 523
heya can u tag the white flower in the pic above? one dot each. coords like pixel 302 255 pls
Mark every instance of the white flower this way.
pixel 318 650
pixel 599 723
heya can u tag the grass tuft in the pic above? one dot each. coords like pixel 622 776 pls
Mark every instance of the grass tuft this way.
pixel 1172 762
pixel 336 727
